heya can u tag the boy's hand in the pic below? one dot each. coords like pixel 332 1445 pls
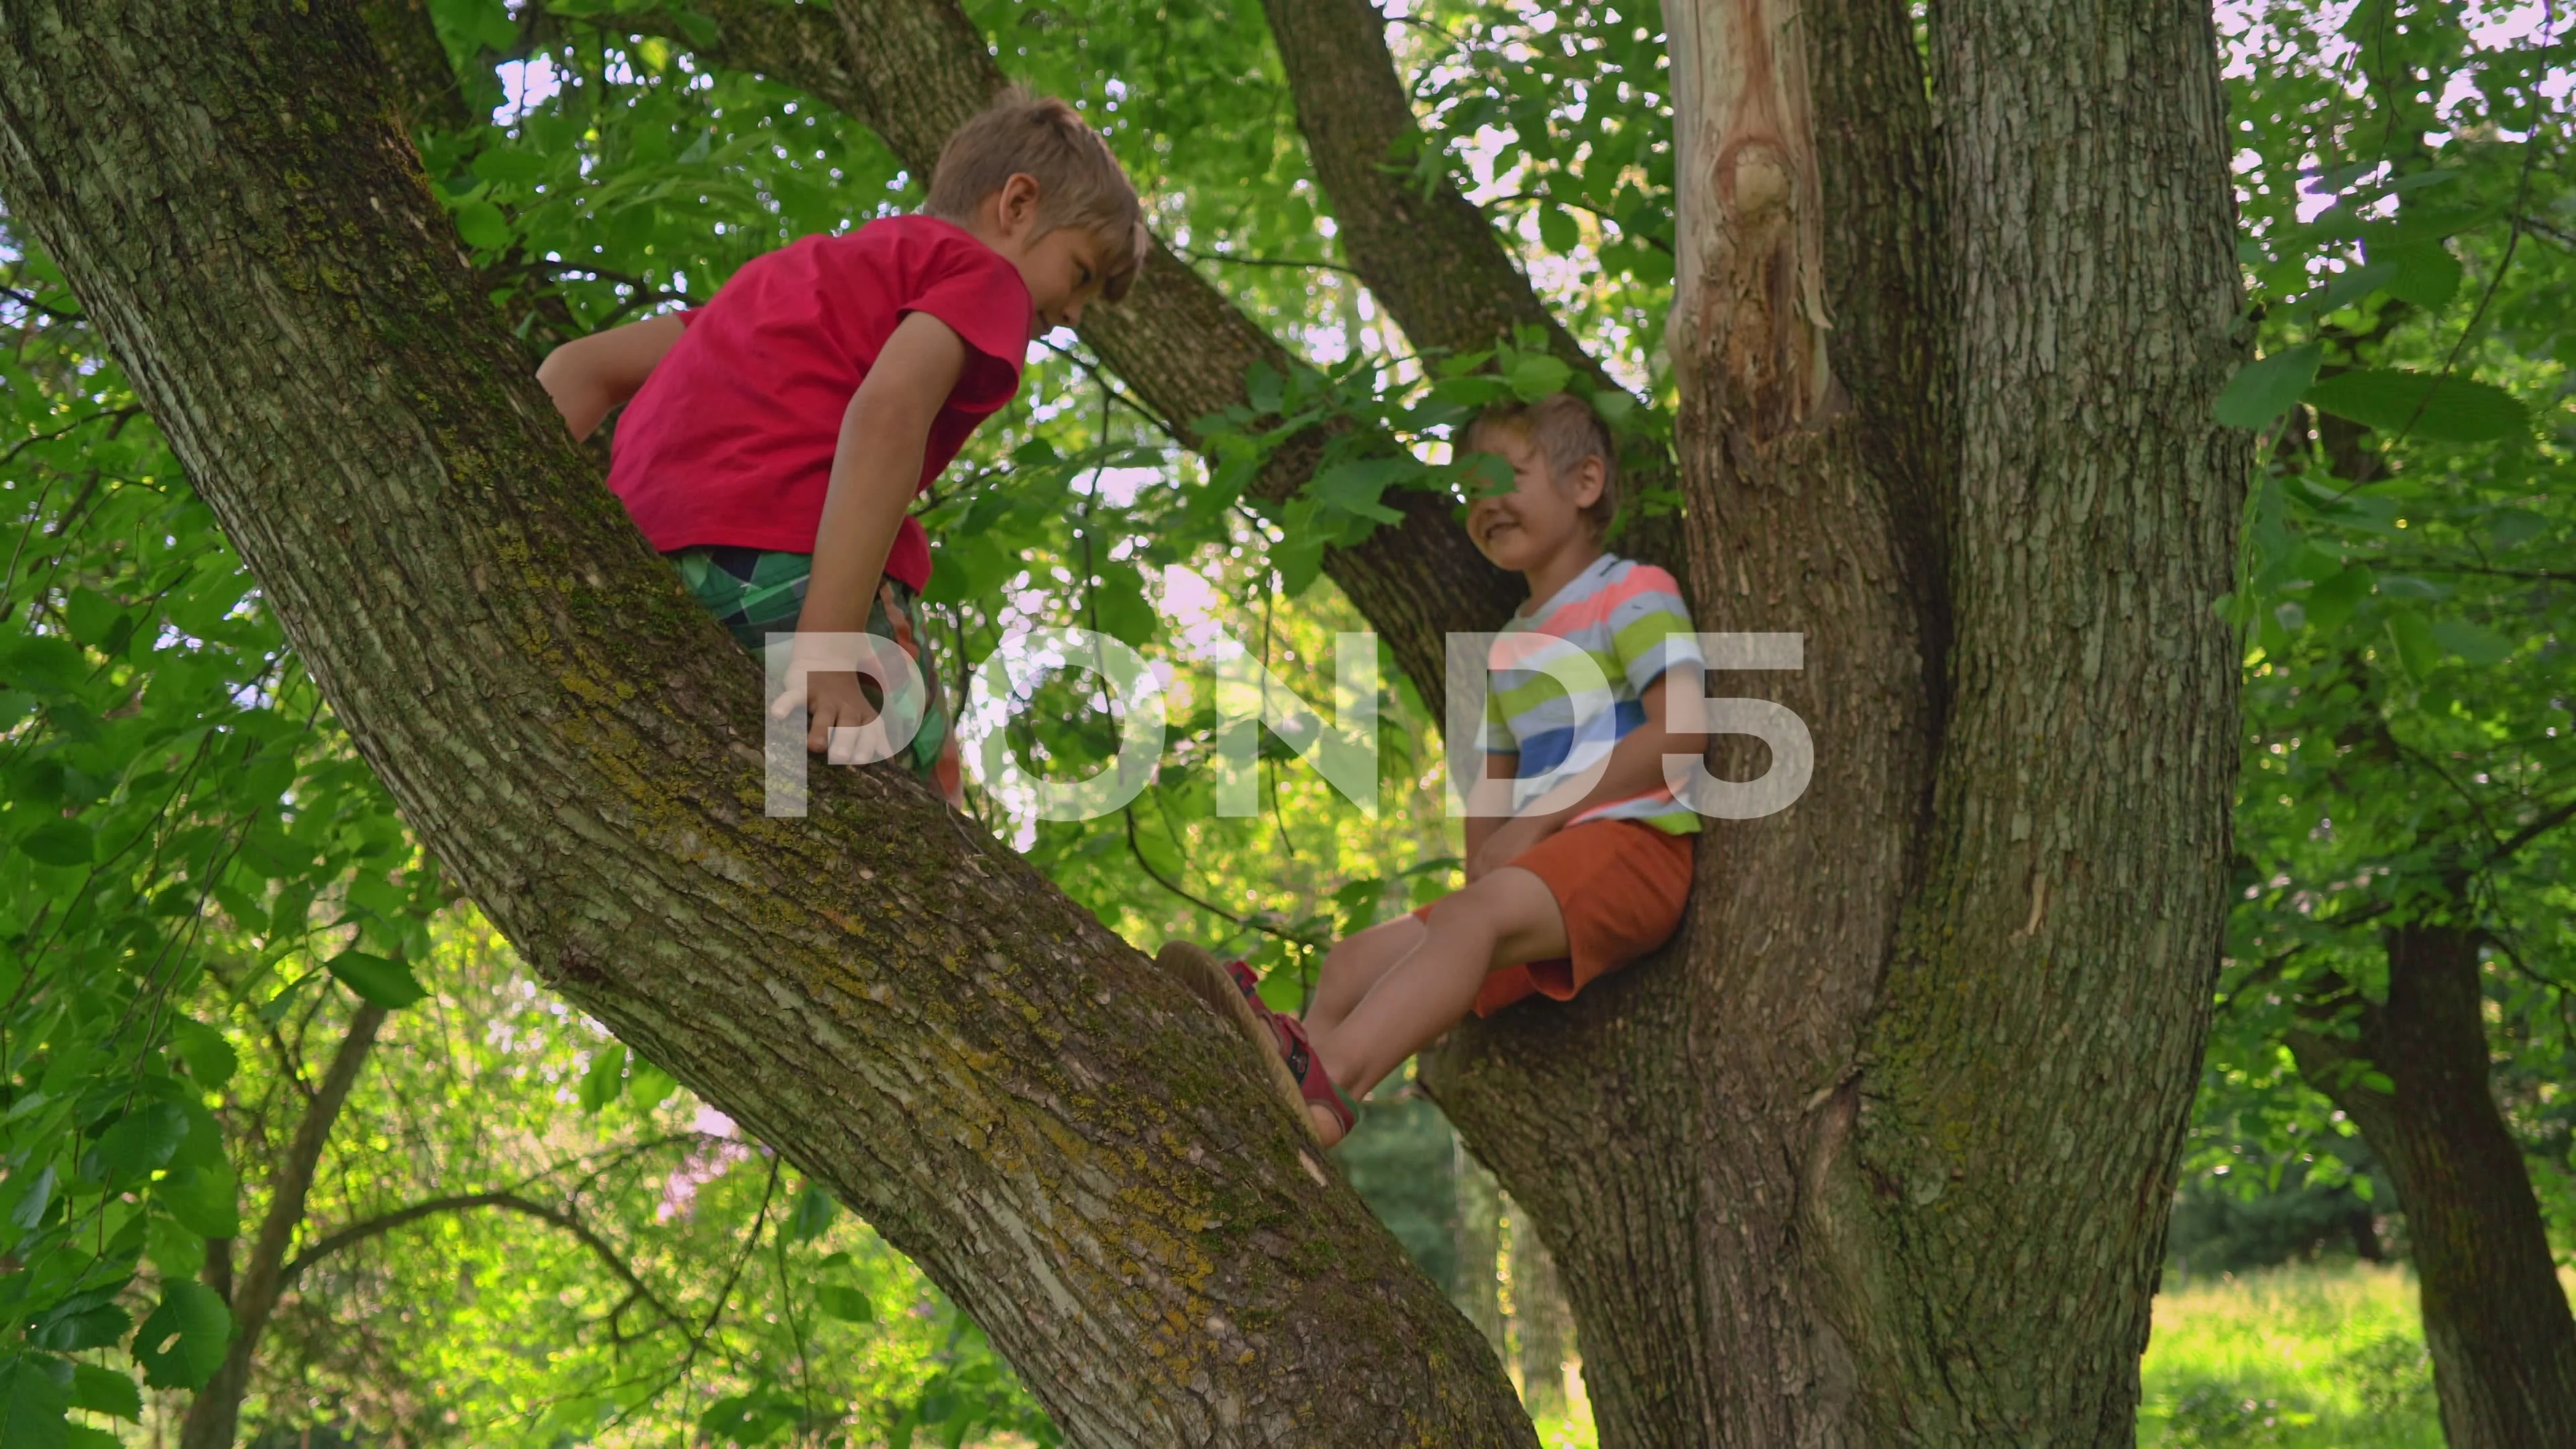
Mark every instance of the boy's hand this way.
pixel 1508 841
pixel 831 699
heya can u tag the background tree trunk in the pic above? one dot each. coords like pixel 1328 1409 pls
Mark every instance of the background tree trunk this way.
pixel 1479 1293
pixel 214 1416
pixel 2496 1321
pixel 1542 1325
pixel 1072 1150
pixel 1882 1152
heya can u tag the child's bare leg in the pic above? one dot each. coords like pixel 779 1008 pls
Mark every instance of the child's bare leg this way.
pixel 1508 917
pixel 1355 966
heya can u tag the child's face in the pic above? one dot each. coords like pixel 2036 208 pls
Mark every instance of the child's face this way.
pixel 1062 267
pixel 1542 513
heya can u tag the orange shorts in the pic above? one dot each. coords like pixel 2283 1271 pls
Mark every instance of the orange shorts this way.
pixel 1621 885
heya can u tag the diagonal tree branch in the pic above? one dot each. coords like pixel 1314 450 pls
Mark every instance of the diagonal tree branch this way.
pixel 1078 1153
pixel 1432 258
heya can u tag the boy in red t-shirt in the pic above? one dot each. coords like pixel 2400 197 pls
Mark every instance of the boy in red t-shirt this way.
pixel 777 435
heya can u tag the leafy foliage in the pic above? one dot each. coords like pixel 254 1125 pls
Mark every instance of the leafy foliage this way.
pixel 2409 232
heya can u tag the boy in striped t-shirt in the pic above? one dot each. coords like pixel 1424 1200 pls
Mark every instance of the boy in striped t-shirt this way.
pixel 1578 856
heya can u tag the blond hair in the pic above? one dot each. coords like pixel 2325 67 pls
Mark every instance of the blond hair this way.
pixel 1079 183
pixel 1564 430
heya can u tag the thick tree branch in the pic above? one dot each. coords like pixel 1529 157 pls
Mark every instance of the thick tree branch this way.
pixel 213 1415
pixel 1072 1147
pixel 1432 258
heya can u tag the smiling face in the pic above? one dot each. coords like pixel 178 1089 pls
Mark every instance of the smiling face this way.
pixel 1541 519
pixel 1064 267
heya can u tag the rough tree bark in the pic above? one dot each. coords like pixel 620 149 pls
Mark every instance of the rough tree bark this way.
pixel 2495 1320
pixel 1069 1147
pixel 1882 1153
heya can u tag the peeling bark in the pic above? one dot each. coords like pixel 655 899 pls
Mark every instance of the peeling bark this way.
pixel 1748 290
pixel 1069 1146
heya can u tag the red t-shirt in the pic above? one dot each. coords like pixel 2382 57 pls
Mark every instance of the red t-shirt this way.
pixel 730 440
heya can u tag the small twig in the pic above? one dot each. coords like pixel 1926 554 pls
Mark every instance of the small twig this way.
pixel 118 415
pixel 28 300
pixel 461 1202
pixel 1292 263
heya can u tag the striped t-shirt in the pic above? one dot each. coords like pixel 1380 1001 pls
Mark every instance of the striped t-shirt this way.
pixel 1630 619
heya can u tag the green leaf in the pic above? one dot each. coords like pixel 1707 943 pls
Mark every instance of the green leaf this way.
pixel 848 1304
pixel 482 225
pixel 2334 598
pixel 607 1072
pixel 814 1211
pixel 68 843
pixel 33 1401
pixel 1300 560
pixel 2351 285
pixel 204 1200
pixel 31 1205
pixel 2451 409
pixel 94 1326
pixel 2417 653
pixel 104 1391
pixel 1264 387
pixel 2511 526
pixel 141 1141
pixel 508 167
pixel 182 1343
pixel 1356 487
pixel 1558 231
pixel 2263 389
pixel 648 1086
pixel 1536 375
pixel 2473 642
pixel 2427 274
pixel 385 982
pixel 1123 611
pixel 93 617
pixel 210 1059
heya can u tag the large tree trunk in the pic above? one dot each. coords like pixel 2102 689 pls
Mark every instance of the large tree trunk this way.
pixel 2495 1319
pixel 1068 1145
pixel 1881 1152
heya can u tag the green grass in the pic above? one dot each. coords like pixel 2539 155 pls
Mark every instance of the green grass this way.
pixel 2299 1357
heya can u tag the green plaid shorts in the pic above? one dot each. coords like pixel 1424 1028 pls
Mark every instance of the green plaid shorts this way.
pixel 754 593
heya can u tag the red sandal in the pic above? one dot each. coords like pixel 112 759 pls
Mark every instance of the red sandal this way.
pixel 1223 991
pixel 1235 992
pixel 1313 1082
